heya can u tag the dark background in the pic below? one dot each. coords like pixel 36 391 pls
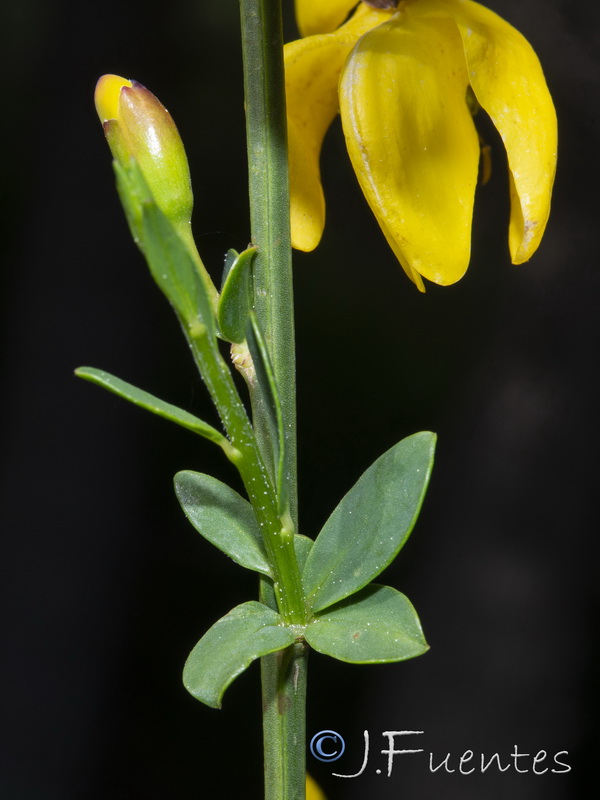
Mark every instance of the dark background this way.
pixel 105 587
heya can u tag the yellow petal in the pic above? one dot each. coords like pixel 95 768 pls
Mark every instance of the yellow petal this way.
pixel 107 96
pixel 313 791
pixel 406 266
pixel 312 70
pixel 507 79
pixel 321 16
pixel 412 141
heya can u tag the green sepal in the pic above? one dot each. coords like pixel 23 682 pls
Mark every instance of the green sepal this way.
pixel 154 404
pixel 235 299
pixel 171 264
pixel 375 626
pixel 366 531
pixel 224 518
pixel 269 394
pixel 249 631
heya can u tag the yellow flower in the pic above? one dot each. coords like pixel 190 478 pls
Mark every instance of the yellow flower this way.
pixel 138 126
pixel 400 78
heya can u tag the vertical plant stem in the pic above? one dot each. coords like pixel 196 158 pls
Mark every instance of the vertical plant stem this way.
pixel 288 594
pixel 283 674
pixel 266 131
pixel 284 702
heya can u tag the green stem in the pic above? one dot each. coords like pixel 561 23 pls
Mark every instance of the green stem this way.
pixel 266 130
pixel 185 232
pixel 284 722
pixel 277 536
pixel 283 674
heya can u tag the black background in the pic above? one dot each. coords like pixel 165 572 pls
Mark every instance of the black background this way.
pixel 105 587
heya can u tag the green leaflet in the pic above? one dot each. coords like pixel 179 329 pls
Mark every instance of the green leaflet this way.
pixel 234 302
pixel 374 626
pixel 223 517
pixel 174 270
pixel 365 532
pixel 230 258
pixel 151 403
pixel 169 259
pixel 226 520
pixel 249 631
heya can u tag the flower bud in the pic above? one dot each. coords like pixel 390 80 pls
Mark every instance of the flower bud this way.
pixel 138 126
